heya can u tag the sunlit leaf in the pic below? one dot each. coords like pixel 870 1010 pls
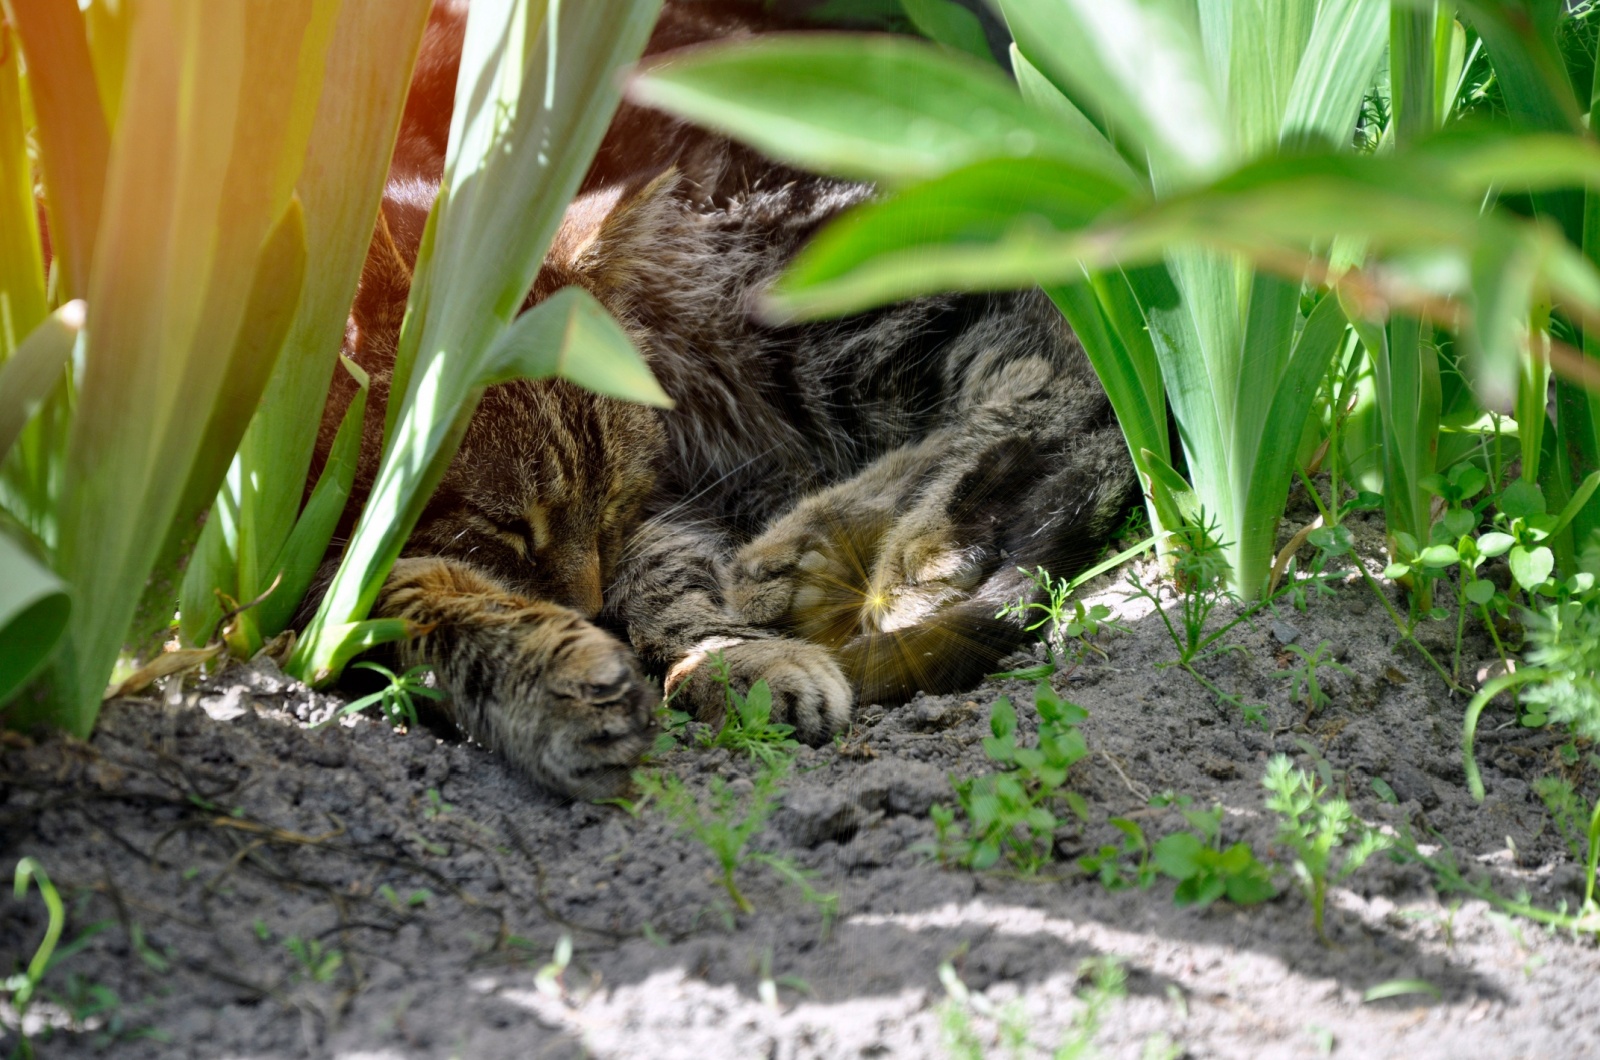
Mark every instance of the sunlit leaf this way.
pixel 876 108
pixel 570 336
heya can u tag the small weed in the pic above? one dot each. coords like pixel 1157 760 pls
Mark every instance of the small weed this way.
pixel 1327 840
pixel 23 985
pixel 434 806
pixel 548 978
pixel 1125 864
pixel 1199 575
pixel 1050 600
pixel 1304 684
pixel 319 963
pixel 1014 813
pixel 963 1012
pixel 396 701
pixel 725 822
pixel 1579 825
pixel 1560 683
pixel 411 901
pixel 747 725
pixel 1204 868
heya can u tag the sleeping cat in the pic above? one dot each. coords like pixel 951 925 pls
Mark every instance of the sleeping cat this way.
pixel 837 508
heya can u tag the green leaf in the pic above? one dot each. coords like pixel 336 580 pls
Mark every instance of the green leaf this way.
pixel 1439 556
pixel 297 562
pixel 757 708
pixel 1480 591
pixel 1399 988
pixel 1531 566
pixel 1580 496
pixel 537 90
pixel 1521 500
pixel 350 139
pixel 1494 544
pixel 268 312
pixel 74 136
pixel 882 108
pixel 1177 855
pixel 1251 887
pixel 949 24
pixel 34 369
pixel 1141 65
pixel 34 607
pixel 571 336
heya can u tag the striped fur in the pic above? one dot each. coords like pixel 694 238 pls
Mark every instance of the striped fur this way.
pixel 839 508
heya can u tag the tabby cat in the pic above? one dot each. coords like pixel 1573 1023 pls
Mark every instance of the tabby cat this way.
pixel 838 508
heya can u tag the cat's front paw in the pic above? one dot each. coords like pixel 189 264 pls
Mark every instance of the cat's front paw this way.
pixel 809 690
pixel 580 718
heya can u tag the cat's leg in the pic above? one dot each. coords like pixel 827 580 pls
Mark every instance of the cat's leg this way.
pixel 559 697
pixel 669 592
pixel 962 553
pixel 810 571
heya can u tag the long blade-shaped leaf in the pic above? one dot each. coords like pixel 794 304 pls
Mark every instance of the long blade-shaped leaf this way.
pixel 74 138
pixel 194 186
pixel 571 336
pixel 536 90
pixel 22 303
pixel 347 156
pixel 33 614
pixel 33 371
pixel 1142 66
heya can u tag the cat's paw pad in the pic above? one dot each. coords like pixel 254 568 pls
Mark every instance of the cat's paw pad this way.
pixel 809 690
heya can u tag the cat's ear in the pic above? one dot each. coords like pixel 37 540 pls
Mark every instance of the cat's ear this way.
pixel 614 227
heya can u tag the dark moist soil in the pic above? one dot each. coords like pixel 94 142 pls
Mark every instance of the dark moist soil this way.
pixel 240 885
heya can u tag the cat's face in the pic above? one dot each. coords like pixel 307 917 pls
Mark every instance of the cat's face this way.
pixel 546 487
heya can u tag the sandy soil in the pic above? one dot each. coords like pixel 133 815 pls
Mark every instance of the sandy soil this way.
pixel 244 886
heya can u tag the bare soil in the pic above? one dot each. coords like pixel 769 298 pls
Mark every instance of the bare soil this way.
pixel 245 886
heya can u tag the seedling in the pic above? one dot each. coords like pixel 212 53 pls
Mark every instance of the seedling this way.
pixel 397 700
pixel 1304 684
pixel 1204 868
pixel 1327 840
pixel 23 985
pixel 1105 986
pixel 725 822
pixel 1560 685
pixel 747 725
pixel 1125 864
pixel 317 962
pixel 1050 601
pixel 548 979
pixel 411 901
pixel 1013 813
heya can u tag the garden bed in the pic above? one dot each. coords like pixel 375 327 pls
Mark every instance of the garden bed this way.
pixel 243 885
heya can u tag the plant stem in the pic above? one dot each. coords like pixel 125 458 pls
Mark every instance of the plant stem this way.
pixel 1469 727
